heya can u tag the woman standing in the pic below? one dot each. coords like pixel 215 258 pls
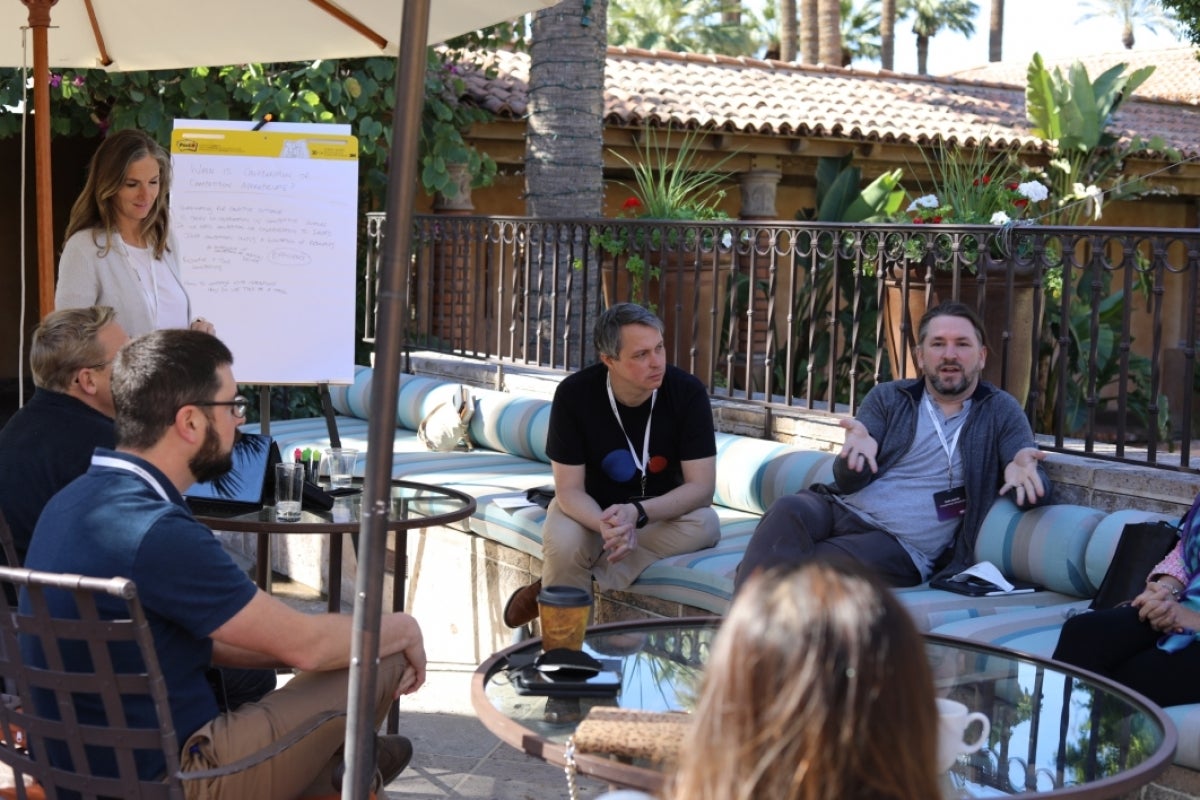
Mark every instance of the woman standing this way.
pixel 119 250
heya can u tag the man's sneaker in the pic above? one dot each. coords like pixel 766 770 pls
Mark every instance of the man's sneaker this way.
pixel 392 754
pixel 522 607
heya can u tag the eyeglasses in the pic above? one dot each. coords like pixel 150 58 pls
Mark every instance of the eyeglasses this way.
pixel 238 405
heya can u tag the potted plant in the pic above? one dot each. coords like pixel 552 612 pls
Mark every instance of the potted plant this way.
pixel 680 272
pixel 973 188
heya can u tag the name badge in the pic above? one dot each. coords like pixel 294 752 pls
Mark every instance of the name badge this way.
pixel 951 503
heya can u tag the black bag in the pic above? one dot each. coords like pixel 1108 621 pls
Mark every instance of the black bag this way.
pixel 540 495
pixel 1141 546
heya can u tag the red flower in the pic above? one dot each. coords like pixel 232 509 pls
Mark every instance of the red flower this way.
pixel 632 202
pixel 1012 187
pixel 917 220
pixel 937 220
pixel 1021 202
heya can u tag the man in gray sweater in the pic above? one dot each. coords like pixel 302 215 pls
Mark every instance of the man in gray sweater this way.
pixel 921 465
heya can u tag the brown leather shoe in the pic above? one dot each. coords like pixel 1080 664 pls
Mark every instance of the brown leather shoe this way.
pixel 522 607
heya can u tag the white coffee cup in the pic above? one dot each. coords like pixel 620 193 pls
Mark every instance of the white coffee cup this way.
pixel 952 728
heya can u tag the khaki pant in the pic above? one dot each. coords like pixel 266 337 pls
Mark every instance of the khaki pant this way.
pixel 304 768
pixel 574 554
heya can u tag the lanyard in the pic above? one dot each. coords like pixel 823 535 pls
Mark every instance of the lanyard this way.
pixel 641 465
pixel 129 466
pixel 948 446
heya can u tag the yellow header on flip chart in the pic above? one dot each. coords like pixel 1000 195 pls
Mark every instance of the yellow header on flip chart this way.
pixel 263 144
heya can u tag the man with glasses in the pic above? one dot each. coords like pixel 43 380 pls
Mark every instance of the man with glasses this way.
pixel 177 411
pixel 49 442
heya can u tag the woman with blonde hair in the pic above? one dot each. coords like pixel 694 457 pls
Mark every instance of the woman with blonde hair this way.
pixel 119 248
pixel 818 688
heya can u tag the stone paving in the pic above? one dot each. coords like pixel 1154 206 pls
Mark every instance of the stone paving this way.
pixel 455 756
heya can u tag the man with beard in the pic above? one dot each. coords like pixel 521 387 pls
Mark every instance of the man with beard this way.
pixel 177 410
pixel 919 469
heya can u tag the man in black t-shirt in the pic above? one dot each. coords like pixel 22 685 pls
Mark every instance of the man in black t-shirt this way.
pixel 632 445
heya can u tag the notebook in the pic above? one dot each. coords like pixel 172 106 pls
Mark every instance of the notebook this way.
pixel 244 488
pixel 984 580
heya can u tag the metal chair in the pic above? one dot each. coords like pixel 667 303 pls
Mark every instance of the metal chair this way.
pixel 7 545
pixel 103 758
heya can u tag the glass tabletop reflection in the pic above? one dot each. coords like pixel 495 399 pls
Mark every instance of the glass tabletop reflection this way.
pixel 408 502
pixel 1053 730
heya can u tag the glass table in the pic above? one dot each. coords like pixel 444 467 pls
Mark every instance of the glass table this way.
pixel 412 505
pixel 1055 731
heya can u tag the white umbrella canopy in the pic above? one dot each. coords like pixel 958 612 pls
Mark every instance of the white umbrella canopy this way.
pixel 130 35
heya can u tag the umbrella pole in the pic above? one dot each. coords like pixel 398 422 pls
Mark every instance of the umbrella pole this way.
pixel 392 307
pixel 39 23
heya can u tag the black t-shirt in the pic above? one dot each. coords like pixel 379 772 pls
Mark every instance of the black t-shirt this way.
pixel 584 431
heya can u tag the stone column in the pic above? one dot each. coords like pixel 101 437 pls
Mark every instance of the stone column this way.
pixel 461 202
pixel 758 189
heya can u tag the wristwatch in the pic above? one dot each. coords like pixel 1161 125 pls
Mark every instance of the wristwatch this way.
pixel 642 519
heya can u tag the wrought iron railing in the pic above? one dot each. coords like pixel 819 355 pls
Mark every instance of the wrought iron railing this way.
pixel 1093 329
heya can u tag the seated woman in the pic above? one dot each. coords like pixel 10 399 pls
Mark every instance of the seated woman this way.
pixel 818 687
pixel 1148 645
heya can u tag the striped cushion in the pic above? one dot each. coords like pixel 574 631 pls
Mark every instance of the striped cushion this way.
pixel 1187 721
pixel 753 473
pixel 703 579
pixel 510 423
pixel 1046 545
pixel 1026 630
pixel 354 400
pixel 933 608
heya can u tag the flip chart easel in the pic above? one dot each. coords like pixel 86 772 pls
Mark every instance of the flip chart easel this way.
pixel 267 227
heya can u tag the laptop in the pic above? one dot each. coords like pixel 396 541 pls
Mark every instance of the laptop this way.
pixel 246 487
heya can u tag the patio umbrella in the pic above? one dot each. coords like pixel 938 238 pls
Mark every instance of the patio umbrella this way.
pixel 163 34
pixel 285 30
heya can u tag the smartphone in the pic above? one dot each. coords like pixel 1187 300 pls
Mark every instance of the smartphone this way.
pixel 530 681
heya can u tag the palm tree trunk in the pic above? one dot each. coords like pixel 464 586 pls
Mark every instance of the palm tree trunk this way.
pixel 996 31
pixel 789 32
pixel 810 50
pixel 830 36
pixel 887 33
pixel 731 12
pixel 564 164
pixel 922 54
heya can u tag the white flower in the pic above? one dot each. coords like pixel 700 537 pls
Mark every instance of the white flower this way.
pixel 928 201
pixel 999 218
pixel 1033 191
pixel 727 240
pixel 1093 198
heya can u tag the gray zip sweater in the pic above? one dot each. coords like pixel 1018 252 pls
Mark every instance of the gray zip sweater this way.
pixel 995 430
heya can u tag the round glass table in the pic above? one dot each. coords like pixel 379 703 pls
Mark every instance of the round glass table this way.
pixel 1055 731
pixel 412 505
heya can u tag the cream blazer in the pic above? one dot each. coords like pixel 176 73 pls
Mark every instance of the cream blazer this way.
pixel 87 278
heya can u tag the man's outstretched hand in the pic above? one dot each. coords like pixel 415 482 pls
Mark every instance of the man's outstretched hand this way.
pixel 860 448
pixel 1022 474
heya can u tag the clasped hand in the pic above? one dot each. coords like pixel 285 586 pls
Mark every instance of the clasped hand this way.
pixel 1158 608
pixel 618 528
